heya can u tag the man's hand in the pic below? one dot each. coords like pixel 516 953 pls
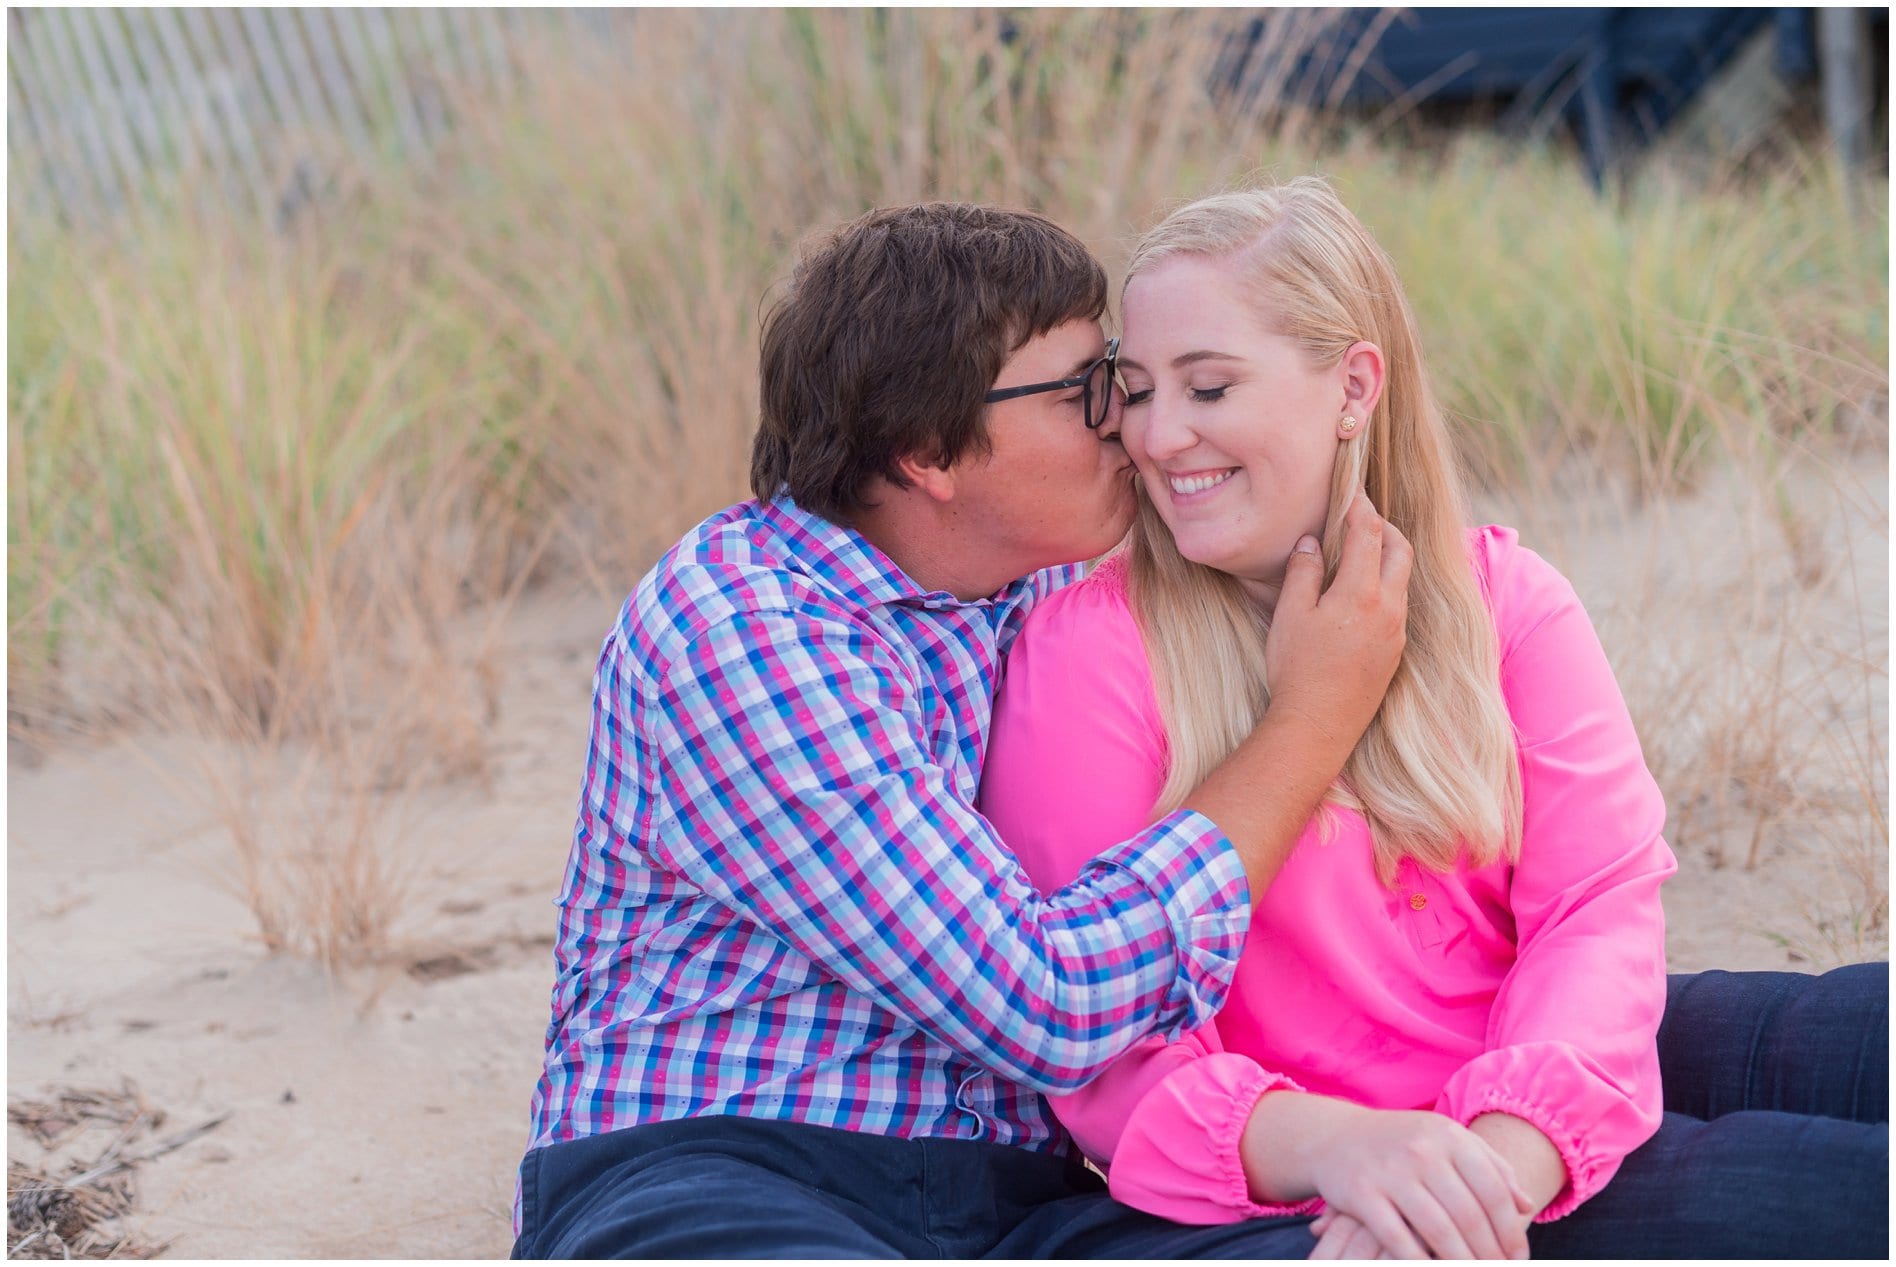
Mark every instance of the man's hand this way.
pixel 1329 658
pixel 1330 655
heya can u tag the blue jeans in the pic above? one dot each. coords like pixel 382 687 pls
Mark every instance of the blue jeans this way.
pixel 1775 1144
pixel 1775 1141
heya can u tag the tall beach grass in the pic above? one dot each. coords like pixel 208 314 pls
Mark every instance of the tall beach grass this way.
pixel 257 475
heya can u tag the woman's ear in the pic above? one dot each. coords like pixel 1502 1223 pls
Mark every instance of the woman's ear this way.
pixel 1363 379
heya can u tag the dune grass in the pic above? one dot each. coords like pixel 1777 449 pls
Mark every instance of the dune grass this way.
pixel 256 475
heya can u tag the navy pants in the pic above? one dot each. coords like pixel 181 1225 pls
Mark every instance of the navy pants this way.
pixel 1775 1144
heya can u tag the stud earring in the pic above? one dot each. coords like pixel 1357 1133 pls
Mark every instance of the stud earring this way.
pixel 1347 426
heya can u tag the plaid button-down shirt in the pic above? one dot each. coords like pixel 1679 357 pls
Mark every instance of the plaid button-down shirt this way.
pixel 780 902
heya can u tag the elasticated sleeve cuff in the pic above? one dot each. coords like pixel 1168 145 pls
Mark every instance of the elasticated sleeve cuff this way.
pixel 1591 1122
pixel 1179 1157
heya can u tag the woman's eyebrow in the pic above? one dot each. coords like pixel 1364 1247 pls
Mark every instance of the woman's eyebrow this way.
pixel 1184 359
pixel 1192 358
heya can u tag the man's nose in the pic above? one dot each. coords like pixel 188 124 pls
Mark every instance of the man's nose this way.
pixel 1115 421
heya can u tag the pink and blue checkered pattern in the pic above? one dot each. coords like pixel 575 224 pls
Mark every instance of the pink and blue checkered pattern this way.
pixel 780 903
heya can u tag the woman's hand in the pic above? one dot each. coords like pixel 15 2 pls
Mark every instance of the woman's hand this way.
pixel 1341 1236
pixel 1419 1183
pixel 1424 1185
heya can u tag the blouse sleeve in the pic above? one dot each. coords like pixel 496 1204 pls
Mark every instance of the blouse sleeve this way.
pixel 1571 1036
pixel 1075 763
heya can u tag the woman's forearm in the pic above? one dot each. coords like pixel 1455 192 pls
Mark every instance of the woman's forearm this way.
pixel 1279 1143
pixel 1537 1164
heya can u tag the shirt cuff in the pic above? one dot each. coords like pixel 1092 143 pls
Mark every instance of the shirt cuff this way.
pixel 1191 867
pixel 1583 1178
pixel 1181 1156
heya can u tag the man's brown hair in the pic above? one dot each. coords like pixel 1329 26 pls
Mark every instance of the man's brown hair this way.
pixel 893 329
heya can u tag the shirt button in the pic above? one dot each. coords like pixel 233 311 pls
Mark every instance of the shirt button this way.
pixel 1417 901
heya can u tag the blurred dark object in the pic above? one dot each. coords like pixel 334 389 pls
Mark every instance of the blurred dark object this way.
pixel 1618 79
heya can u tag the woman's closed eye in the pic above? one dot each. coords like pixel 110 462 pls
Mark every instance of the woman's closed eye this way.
pixel 1202 395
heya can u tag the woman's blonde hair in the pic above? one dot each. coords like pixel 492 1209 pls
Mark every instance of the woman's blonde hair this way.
pixel 1437 772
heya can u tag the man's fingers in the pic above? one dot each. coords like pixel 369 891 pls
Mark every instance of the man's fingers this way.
pixel 1360 566
pixel 1303 576
pixel 1398 556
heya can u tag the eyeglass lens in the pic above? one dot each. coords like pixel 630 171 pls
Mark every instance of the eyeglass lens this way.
pixel 1099 397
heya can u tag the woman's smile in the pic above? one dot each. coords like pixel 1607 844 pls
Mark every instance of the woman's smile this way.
pixel 1195 487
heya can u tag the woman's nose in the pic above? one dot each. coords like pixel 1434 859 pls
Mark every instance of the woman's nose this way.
pixel 1160 432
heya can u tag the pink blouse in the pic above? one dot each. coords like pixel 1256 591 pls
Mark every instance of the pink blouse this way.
pixel 1533 989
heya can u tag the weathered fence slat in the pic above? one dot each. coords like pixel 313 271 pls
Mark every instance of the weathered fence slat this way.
pixel 226 95
pixel 69 96
pixel 291 49
pixel 490 35
pixel 200 141
pixel 270 75
pixel 105 102
pixel 319 30
pixel 135 107
pixel 109 105
pixel 387 69
pixel 29 141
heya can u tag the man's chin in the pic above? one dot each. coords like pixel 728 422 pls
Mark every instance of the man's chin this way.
pixel 1079 551
pixel 1119 526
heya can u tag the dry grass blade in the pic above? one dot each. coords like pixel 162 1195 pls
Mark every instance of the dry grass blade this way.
pixel 67 1213
pixel 48 1219
pixel 52 1122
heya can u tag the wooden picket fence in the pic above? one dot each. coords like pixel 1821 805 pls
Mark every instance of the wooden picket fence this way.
pixel 106 105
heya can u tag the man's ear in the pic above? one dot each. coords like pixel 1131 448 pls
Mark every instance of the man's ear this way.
pixel 927 473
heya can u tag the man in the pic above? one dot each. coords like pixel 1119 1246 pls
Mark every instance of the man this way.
pixel 806 1000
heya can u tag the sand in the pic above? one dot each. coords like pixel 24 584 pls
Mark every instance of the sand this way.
pixel 379 1112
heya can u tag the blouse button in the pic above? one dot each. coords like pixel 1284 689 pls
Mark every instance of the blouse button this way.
pixel 1417 901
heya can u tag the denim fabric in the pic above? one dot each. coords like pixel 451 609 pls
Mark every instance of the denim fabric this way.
pixel 729 1187
pixel 1775 1143
pixel 1791 1070
pixel 1784 1041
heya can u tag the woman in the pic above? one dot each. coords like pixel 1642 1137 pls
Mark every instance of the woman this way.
pixel 1443 1024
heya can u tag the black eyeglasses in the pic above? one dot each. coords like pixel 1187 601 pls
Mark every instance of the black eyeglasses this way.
pixel 1095 382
